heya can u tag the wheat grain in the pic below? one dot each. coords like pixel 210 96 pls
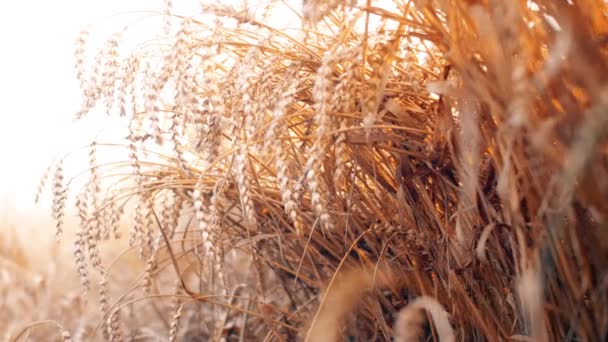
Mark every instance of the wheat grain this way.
pixel 151 266
pixel 126 85
pixel 167 14
pixel 278 129
pixel 79 55
pixel 146 238
pixel 173 330
pixel 244 186
pixel 111 68
pixel 92 90
pixel 92 192
pixel 154 83
pixel 207 215
pixel 59 198
pixel 136 233
pixel 114 327
pixel 321 94
pixel 216 109
pixel 114 215
pixel 133 155
pixel 104 305
pixel 42 182
pixel 344 94
pixel 80 243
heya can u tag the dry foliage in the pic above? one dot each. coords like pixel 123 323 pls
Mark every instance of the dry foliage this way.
pixel 447 155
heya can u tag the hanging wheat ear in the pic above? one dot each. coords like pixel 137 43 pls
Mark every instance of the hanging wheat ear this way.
pixel 60 193
pixel 173 329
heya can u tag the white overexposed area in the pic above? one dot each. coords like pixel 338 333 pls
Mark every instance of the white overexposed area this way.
pixel 39 93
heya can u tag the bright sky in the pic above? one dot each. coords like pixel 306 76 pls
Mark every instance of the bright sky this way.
pixel 38 90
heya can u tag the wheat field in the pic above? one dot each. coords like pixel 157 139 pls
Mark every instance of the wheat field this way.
pixel 332 171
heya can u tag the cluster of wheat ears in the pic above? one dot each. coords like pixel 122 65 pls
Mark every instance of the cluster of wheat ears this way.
pixel 408 169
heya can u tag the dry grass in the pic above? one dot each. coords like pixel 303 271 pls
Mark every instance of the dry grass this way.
pixel 446 156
